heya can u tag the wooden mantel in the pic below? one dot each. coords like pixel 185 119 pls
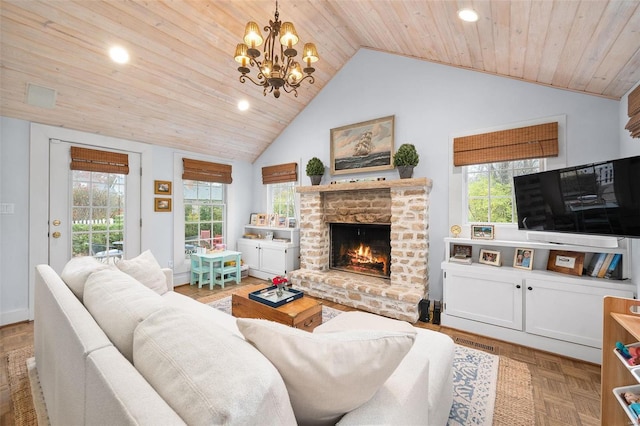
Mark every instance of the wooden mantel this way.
pixel 379 184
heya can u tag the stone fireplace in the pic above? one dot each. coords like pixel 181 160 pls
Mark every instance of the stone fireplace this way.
pixel 401 204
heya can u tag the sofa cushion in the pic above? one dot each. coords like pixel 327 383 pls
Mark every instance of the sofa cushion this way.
pixel 146 269
pixel 77 270
pixel 328 374
pixel 118 303
pixel 356 320
pixel 208 375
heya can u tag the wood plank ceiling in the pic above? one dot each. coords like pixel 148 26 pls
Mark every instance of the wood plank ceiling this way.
pixel 181 87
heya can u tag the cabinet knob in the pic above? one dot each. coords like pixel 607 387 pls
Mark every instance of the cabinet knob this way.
pixel 529 288
pixel 518 286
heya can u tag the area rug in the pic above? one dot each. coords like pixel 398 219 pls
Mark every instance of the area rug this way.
pixel 27 400
pixel 488 389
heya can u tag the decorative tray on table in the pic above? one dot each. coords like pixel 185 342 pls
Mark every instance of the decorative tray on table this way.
pixel 269 296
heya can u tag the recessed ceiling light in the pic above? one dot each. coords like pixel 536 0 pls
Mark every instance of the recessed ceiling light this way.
pixel 119 54
pixel 468 15
pixel 243 105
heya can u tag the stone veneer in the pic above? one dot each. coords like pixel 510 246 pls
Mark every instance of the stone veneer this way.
pixel 404 204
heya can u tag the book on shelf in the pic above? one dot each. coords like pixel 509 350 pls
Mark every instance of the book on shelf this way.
pixel 615 268
pixel 605 265
pixel 595 264
pixel 598 264
pixel 460 259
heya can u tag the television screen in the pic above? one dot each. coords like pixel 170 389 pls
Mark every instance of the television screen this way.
pixel 600 198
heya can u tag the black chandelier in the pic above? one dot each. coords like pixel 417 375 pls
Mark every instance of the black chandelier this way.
pixel 275 71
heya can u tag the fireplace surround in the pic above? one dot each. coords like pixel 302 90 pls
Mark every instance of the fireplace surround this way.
pixel 403 204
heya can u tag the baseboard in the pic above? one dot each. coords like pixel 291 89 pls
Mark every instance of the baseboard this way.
pixel 575 239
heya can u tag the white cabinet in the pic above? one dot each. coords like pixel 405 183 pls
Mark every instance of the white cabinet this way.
pixel 538 308
pixel 484 297
pixel 268 258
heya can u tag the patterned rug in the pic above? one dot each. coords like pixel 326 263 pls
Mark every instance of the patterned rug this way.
pixel 475 384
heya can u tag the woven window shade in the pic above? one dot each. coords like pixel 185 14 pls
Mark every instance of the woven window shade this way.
pixel 206 171
pixel 507 145
pixel 634 113
pixel 280 173
pixel 93 160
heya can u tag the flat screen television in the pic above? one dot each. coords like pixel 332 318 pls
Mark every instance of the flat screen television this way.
pixel 599 198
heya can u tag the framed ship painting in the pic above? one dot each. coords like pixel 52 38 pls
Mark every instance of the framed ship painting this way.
pixel 363 147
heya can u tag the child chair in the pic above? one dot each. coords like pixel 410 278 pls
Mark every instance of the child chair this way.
pixel 201 269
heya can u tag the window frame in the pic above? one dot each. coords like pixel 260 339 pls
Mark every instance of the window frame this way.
pixel 270 196
pixel 457 195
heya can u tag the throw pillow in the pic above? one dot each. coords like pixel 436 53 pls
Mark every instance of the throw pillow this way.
pixel 328 374
pixel 356 320
pixel 146 269
pixel 77 270
pixel 208 375
pixel 119 303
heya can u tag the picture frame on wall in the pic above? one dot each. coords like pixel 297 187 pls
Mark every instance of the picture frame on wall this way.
pixel 482 232
pixel 162 205
pixel 566 262
pixel 363 147
pixel 489 257
pixel 523 258
pixel 162 187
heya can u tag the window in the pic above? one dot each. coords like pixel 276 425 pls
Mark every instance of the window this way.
pixel 281 198
pixel 204 215
pixel 98 214
pixel 489 189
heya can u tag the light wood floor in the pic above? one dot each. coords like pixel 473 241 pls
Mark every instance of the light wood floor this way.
pixel 566 391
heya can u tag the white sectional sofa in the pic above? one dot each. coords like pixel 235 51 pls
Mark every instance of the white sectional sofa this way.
pixel 119 346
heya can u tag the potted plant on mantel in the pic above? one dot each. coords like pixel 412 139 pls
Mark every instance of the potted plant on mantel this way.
pixel 405 159
pixel 315 170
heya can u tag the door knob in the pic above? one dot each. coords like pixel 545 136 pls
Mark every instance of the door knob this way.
pixel 56 222
pixel 56 234
pixel 518 286
pixel 529 288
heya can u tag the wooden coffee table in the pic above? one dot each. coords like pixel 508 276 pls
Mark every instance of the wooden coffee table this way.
pixel 304 313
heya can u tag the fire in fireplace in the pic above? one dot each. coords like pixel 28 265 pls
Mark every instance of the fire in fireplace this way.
pixel 361 248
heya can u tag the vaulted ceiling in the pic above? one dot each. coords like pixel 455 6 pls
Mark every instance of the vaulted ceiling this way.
pixel 181 89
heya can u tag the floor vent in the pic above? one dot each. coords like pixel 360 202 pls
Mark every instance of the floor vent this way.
pixel 474 344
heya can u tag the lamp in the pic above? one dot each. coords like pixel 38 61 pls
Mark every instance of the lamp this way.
pixel 278 70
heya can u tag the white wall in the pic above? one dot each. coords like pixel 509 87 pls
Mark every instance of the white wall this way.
pixel 630 147
pixel 24 183
pixel 431 102
pixel 14 228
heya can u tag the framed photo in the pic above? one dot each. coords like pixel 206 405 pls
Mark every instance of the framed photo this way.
pixel 292 222
pixel 462 251
pixel 262 219
pixel 566 262
pixel 489 257
pixel 282 221
pixel 523 258
pixel 482 232
pixel 253 219
pixel 162 187
pixel 363 147
pixel 162 204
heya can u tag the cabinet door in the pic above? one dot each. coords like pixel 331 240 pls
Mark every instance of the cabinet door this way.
pixel 484 297
pixel 273 259
pixel 250 252
pixel 572 313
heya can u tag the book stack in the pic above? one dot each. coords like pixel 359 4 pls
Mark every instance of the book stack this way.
pixel 460 259
pixel 605 265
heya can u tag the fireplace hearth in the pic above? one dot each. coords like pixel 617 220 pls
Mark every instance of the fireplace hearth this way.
pixel 361 248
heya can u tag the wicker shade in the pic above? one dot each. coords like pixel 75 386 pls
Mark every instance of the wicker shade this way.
pixel 507 145
pixel 634 113
pixel 93 160
pixel 280 173
pixel 206 171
